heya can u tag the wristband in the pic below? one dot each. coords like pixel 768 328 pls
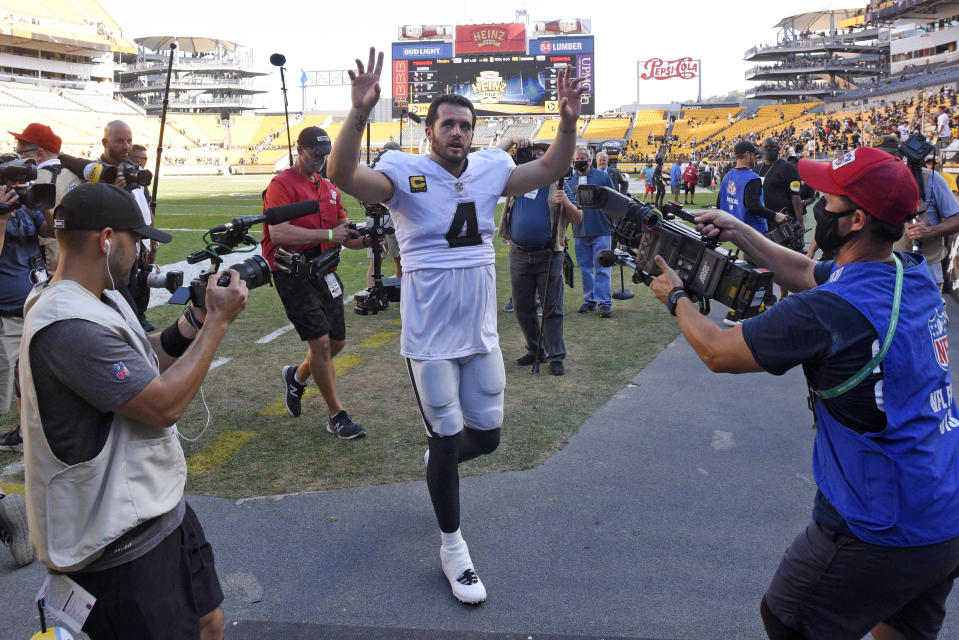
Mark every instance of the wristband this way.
pixel 330 231
pixel 673 299
pixel 174 342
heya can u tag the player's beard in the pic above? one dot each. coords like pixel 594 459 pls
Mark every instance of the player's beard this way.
pixel 454 159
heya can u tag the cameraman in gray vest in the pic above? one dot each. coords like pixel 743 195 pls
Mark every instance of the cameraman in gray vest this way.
pixel 104 470
pixel 935 219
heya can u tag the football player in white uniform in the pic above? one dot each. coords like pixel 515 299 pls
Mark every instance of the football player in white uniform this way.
pixel 443 206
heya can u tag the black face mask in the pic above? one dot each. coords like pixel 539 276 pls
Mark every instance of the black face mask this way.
pixel 827 227
pixel 772 154
pixel 581 165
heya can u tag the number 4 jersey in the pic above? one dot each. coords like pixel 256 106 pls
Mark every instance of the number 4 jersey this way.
pixel 445 227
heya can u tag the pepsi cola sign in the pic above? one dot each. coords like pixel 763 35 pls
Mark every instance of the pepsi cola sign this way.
pixel 659 69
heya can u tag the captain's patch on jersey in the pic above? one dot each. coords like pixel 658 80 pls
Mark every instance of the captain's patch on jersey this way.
pixel 417 184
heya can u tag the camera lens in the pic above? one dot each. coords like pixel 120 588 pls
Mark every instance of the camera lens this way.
pixel 255 271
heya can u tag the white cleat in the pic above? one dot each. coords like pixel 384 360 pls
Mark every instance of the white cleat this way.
pixel 458 568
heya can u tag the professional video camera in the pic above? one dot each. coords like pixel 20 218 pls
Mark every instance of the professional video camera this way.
pixel 707 270
pixel 223 239
pixel 35 196
pixel 318 270
pixel 915 149
pixel 789 234
pixel 378 297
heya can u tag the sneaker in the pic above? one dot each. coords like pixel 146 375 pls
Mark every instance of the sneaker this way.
pixel 557 368
pixel 13 529
pixel 605 312
pixel 11 440
pixel 586 308
pixel 732 319
pixel 294 390
pixel 529 359
pixel 539 310
pixel 509 305
pixel 458 569
pixel 343 428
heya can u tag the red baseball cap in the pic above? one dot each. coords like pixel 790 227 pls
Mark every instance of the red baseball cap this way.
pixel 876 181
pixel 40 135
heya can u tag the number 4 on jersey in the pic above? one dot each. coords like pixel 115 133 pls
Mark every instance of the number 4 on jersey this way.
pixel 464 229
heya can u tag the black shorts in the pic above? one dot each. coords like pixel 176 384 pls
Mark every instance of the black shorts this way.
pixel 312 311
pixel 690 187
pixel 162 594
pixel 831 585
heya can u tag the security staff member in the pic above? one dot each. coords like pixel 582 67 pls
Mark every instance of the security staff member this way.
pixel 869 330
pixel 741 195
pixel 781 182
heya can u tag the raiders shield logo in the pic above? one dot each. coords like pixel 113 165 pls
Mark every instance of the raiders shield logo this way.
pixel 940 339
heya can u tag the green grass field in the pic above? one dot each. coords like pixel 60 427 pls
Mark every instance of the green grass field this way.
pixel 251 447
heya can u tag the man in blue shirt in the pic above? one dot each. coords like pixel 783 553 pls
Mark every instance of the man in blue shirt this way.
pixel 869 329
pixel 536 263
pixel 931 229
pixel 20 231
pixel 592 235
pixel 675 179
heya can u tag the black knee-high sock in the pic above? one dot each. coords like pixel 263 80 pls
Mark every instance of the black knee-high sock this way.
pixel 477 442
pixel 442 474
pixel 443 480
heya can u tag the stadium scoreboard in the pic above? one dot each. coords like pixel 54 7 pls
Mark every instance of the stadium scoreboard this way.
pixel 496 84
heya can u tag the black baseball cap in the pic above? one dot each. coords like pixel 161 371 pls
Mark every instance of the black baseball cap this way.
pixel 316 140
pixel 745 146
pixel 92 206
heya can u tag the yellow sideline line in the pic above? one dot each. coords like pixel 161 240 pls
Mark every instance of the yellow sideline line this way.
pixel 377 340
pixel 10 488
pixel 218 452
pixel 341 364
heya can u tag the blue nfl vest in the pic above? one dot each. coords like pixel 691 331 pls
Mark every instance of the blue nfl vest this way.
pixel 731 195
pixel 898 487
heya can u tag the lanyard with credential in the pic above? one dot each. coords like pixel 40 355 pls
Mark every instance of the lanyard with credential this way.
pixel 863 373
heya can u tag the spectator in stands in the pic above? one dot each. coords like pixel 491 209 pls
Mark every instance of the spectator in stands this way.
pixel 534 226
pixel 39 143
pixel 648 176
pixel 316 315
pixel 675 179
pixel 943 132
pixel 20 231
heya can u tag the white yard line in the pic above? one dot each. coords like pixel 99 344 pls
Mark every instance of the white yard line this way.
pixel 219 361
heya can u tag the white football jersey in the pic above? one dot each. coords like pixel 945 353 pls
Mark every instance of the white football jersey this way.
pixel 444 228
pixel 442 221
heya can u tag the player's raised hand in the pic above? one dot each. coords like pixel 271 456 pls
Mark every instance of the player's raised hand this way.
pixel 365 82
pixel 570 91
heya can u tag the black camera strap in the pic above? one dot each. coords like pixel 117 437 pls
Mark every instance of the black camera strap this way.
pixel 863 373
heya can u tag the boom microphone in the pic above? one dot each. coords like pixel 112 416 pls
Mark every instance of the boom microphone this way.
pixel 278 59
pixel 414 117
pixel 606 258
pixel 273 215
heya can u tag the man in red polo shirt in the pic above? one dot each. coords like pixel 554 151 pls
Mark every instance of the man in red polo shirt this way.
pixel 316 314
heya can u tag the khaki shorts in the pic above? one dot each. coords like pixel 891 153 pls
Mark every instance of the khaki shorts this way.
pixel 11 328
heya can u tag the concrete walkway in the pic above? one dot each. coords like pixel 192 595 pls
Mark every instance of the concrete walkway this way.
pixel 664 517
